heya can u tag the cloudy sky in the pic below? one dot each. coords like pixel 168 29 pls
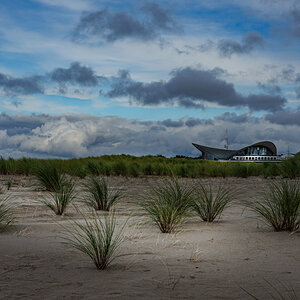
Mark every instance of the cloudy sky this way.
pixel 91 77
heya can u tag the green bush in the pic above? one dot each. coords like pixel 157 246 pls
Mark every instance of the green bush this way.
pixel 290 168
pixel 120 168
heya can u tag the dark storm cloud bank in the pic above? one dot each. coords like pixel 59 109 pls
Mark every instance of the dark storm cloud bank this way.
pixel 189 88
pixel 148 23
pixel 286 117
pixel 76 74
pixel 85 135
pixel 13 86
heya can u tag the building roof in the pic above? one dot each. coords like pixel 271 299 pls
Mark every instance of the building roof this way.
pixel 227 154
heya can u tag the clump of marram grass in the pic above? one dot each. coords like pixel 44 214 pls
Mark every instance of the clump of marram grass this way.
pixel 168 204
pixel 58 200
pixel 6 212
pixel 97 238
pixel 49 177
pixel 278 291
pixel 208 204
pixel 280 206
pixel 98 196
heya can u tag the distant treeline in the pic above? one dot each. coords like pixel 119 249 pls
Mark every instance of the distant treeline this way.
pixel 126 165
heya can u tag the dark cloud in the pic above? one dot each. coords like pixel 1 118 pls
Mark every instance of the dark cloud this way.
pixel 21 86
pixel 270 87
pixel 287 75
pixel 171 123
pixel 192 122
pixel 75 74
pixel 271 103
pixel 20 124
pixel 285 117
pixel 295 18
pixel 159 16
pixel 298 92
pixel 189 88
pixel 104 25
pixel 250 42
pixel 234 118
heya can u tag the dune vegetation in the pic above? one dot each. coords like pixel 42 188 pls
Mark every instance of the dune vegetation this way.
pixel 131 166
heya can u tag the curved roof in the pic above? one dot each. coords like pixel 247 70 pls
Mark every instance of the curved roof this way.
pixel 227 154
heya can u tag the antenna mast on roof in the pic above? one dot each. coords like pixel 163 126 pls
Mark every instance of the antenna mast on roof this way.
pixel 226 140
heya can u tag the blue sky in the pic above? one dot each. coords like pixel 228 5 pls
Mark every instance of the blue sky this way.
pixel 168 72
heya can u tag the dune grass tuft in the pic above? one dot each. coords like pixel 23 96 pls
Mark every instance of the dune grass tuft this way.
pixel 208 204
pixel 6 212
pixel 58 200
pixel 276 291
pixel 168 204
pixel 99 239
pixel 98 196
pixel 280 206
pixel 49 177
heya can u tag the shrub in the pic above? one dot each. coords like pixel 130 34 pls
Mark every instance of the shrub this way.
pixel 98 239
pixel 24 166
pixel 209 205
pixel 6 212
pixel 290 168
pixel 49 177
pixel 98 196
pixel 94 168
pixel 134 169
pixel 60 199
pixel 280 206
pixel 240 170
pixel 168 204
pixel 148 169
pixel 3 166
pixel 120 168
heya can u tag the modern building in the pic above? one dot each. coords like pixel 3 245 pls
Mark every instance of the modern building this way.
pixel 262 151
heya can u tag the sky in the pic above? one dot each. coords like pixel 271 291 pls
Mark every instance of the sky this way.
pixel 92 77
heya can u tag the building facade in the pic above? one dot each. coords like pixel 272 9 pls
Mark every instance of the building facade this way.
pixel 259 152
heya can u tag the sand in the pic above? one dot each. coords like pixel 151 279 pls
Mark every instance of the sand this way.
pixel 200 261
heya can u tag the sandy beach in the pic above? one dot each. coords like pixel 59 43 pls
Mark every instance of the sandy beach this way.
pixel 200 261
